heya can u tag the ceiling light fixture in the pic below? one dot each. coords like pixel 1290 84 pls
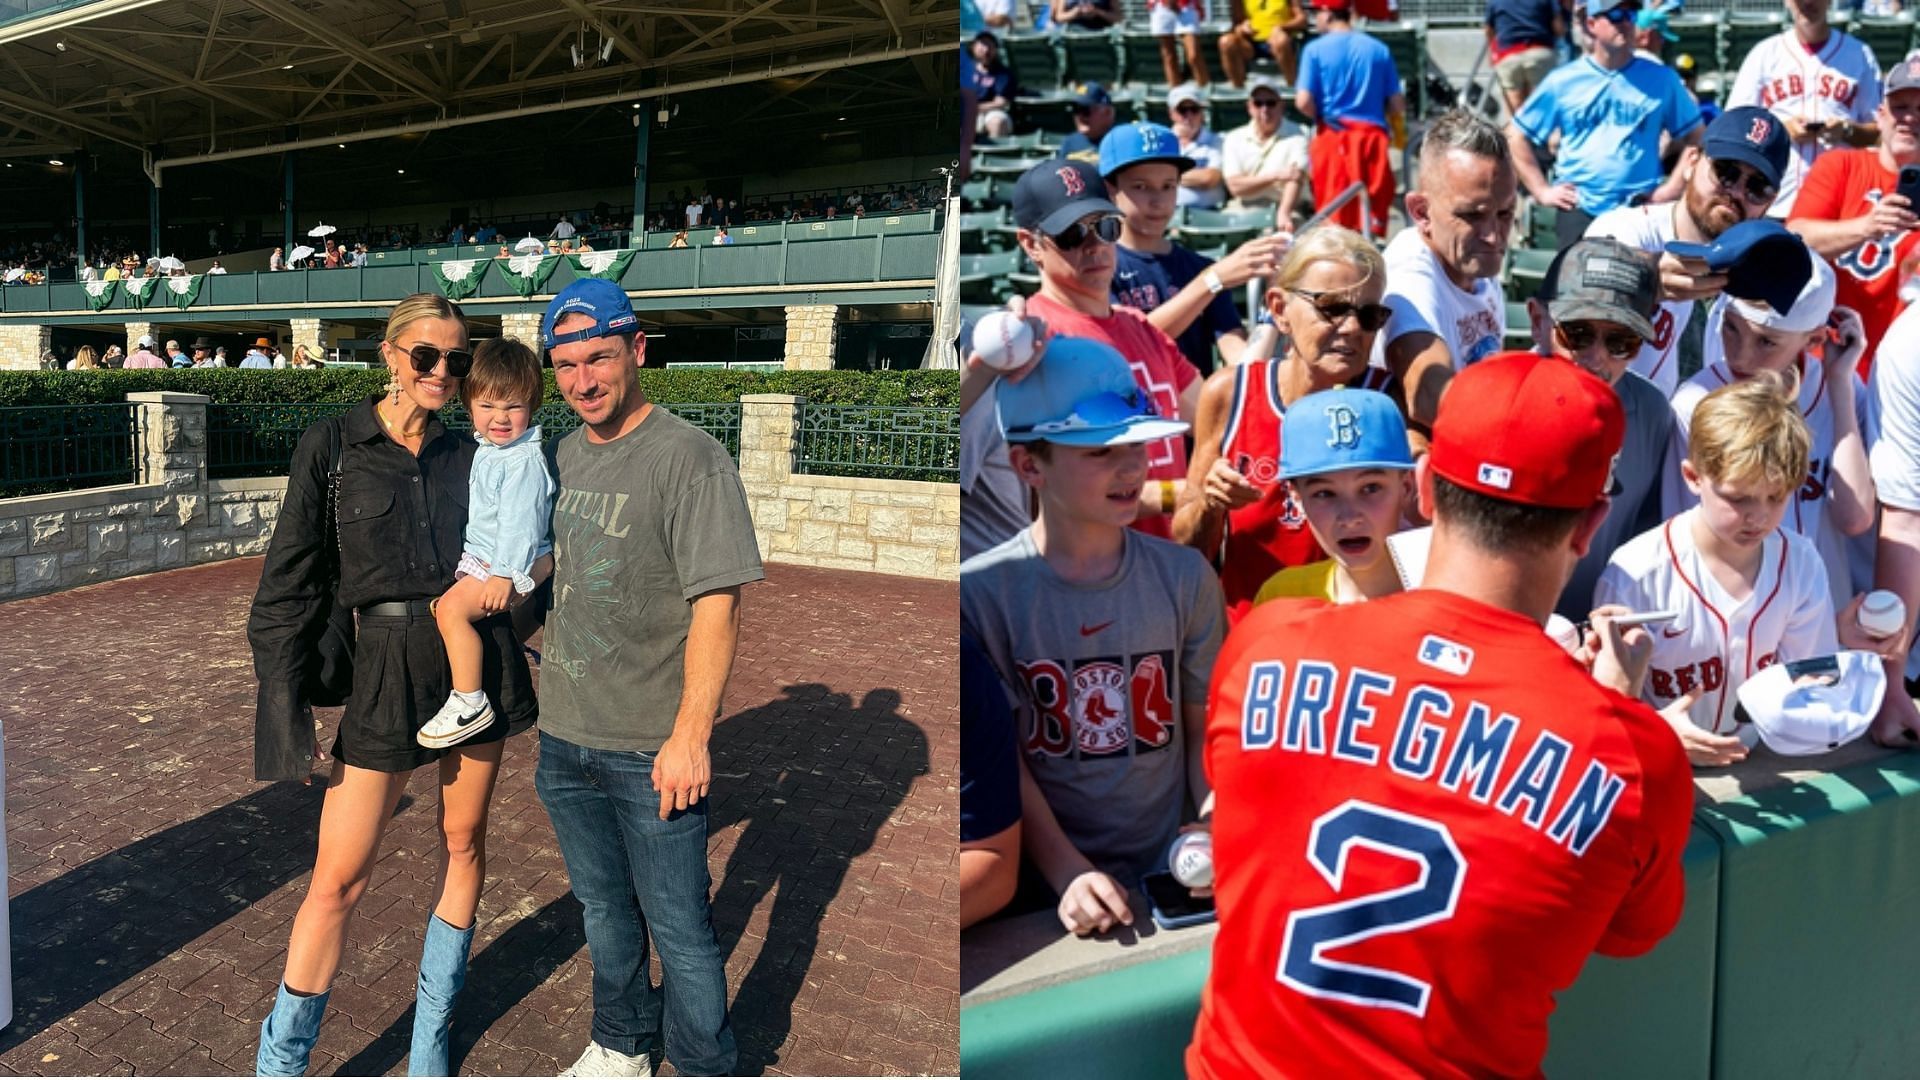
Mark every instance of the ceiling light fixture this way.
pixel 61 45
pixel 286 67
pixel 402 172
pixel 55 161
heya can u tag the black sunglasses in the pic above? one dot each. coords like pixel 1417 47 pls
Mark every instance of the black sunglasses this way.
pixel 1263 103
pixel 1106 229
pixel 1372 316
pixel 1187 107
pixel 1619 14
pixel 425 358
pixel 1728 174
pixel 1580 336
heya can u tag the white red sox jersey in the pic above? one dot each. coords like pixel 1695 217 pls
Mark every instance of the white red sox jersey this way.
pixel 1425 300
pixel 1717 643
pixel 1101 673
pixel 1838 81
pixel 1650 228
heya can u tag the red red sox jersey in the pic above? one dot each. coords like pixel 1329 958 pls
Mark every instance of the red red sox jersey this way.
pixel 1840 80
pixel 1428 816
pixel 1842 185
pixel 1719 642
pixel 1267 536
pixel 1651 228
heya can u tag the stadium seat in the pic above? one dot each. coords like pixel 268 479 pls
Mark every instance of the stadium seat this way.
pixel 1003 166
pixel 1094 58
pixel 1140 54
pixel 1746 29
pixel 1518 333
pixel 1037 61
pixel 1036 142
pixel 1700 37
pixel 1407 43
pixel 985 193
pixel 1542 227
pixel 986 278
pixel 1526 270
pixel 1890 38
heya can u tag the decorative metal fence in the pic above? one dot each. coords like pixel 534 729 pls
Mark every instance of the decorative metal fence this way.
pixel 720 419
pixel 258 440
pixel 881 441
pixel 48 448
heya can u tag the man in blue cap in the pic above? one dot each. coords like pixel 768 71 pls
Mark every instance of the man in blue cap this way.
pixel 1092 119
pixel 632 683
pixel 1610 109
pixel 1732 178
pixel 1188 296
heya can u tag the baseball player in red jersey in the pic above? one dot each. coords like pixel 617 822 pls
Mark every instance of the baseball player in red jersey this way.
pixel 1428 813
pixel 1235 508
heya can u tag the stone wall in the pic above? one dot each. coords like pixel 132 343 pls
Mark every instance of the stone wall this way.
pixel 523 326
pixel 21 346
pixel 810 334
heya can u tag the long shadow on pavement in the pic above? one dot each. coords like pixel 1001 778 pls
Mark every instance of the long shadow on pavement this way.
pixel 100 924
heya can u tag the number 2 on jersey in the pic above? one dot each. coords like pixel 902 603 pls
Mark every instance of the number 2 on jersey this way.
pixel 1313 932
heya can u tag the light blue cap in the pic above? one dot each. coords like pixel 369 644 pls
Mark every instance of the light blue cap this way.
pixel 1342 429
pixel 1131 144
pixel 1081 393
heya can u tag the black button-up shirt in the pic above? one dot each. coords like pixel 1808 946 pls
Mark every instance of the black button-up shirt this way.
pixel 401 525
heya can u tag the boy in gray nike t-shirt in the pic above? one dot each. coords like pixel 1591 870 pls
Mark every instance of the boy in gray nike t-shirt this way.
pixel 1106 635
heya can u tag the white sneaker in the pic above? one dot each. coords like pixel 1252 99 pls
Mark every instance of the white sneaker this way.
pixel 600 1061
pixel 455 723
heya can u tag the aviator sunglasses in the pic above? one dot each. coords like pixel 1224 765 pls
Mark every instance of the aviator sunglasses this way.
pixel 425 358
pixel 1107 229
pixel 1372 316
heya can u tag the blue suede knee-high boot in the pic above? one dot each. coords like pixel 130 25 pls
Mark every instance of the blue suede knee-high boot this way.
pixel 288 1033
pixel 443 971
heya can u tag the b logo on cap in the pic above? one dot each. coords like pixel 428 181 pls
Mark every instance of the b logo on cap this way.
pixel 1344 428
pixel 1071 178
pixel 1496 476
pixel 1757 134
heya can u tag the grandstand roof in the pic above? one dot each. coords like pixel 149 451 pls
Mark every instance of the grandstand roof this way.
pixel 205 80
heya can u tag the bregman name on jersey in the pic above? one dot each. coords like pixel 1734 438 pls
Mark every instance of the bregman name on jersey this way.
pixel 1461 746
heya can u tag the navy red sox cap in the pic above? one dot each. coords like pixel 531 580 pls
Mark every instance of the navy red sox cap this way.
pixel 1752 136
pixel 1054 194
pixel 604 300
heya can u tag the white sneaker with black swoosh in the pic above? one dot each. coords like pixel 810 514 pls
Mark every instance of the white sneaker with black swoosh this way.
pixel 455 723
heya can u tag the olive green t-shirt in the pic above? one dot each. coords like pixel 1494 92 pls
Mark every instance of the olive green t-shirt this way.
pixel 642 525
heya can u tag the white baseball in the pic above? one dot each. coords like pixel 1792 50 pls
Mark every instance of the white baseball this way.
pixel 1003 340
pixel 1882 614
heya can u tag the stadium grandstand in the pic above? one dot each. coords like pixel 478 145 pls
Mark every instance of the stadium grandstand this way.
pixel 160 162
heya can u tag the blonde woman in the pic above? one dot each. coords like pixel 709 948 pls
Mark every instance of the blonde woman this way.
pixel 402 509
pixel 84 360
pixel 1326 299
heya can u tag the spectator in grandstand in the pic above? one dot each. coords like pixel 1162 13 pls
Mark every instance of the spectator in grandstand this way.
pixel 1325 298
pixel 86 273
pixel 989 788
pixel 220 357
pixel 1851 213
pixel 1266 28
pixel 1186 295
pixel 996 15
pixel 50 361
pixel 202 354
pixel 176 358
pixel 332 258
pixel 1609 154
pixel 1083 14
pixel 1443 269
pixel 1200 185
pixel 278 260
pixel 301 358
pixel 115 357
pixel 1067 227
pixel 144 356
pixel 216 268
pixel 257 357
pixel 84 359
pixel 359 258
pixel 693 212
pixel 1822 83
pixel 563 229
pixel 1731 178
pixel 1350 89
pixel 1598 303
pixel 111 273
pixel 679 239
pixel 721 238
pixel 1169 18
pixel 1520 37
pixel 992 87
pixel 1262 167
pixel 1092 119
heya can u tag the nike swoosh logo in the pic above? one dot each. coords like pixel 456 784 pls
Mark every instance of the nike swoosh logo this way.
pixel 1670 632
pixel 1089 631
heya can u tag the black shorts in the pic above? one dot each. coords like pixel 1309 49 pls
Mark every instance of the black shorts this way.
pixel 400 679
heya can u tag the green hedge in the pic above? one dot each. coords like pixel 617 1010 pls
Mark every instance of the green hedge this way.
pixel 925 389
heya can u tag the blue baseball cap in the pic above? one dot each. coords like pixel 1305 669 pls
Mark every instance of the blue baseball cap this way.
pixel 1762 260
pixel 1656 18
pixel 1090 94
pixel 1139 142
pixel 1598 7
pixel 1752 136
pixel 604 300
pixel 1081 393
pixel 1054 194
pixel 1342 429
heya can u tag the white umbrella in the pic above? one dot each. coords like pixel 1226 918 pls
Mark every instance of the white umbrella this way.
pixel 299 253
pixel 16 273
pixel 171 263
pixel 322 230
pixel 530 245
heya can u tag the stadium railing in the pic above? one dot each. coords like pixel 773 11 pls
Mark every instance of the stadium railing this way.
pixel 880 441
pixel 47 448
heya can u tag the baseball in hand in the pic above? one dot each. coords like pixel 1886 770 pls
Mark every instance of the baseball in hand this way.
pixel 1882 614
pixel 1003 340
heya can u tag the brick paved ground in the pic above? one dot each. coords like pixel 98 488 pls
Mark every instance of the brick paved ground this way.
pixel 153 882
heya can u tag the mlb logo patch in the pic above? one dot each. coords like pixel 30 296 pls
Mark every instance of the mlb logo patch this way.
pixel 1497 476
pixel 1448 656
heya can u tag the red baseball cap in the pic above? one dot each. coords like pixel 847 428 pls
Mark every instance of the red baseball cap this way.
pixel 1529 429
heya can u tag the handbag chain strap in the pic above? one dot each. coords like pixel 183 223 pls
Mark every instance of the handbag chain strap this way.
pixel 333 499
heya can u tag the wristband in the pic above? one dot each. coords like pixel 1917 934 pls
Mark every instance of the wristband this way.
pixel 1166 497
pixel 1214 284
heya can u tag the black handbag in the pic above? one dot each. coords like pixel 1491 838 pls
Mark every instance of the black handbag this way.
pixel 328 676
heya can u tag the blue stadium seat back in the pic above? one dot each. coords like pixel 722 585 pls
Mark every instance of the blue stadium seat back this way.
pixel 1094 57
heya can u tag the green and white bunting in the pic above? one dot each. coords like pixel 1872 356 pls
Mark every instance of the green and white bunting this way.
pixel 528 274
pixel 139 290
pixel 602 264
pixel 185 289
pixel 459 278
pixel 99 293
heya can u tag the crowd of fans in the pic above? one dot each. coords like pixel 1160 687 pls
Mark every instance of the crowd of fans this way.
pixel 1727 310
pixel 695 210
pixel 202 352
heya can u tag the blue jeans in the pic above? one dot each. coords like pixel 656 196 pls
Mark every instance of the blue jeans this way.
pixel 634 872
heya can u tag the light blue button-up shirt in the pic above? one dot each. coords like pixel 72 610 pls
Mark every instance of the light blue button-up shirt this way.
pixel 511 506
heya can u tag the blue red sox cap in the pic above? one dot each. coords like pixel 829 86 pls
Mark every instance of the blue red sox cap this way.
pixel 1133 144
pixel 1753 136
pixel 605 301
pixel 1340 429
pixel 1054 194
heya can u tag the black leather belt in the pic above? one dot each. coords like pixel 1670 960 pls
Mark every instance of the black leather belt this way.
pixel 397 609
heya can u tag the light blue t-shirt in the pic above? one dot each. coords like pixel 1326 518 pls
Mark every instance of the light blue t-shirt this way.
pixel 510 504
pixel 1350 76
pixel 1609 124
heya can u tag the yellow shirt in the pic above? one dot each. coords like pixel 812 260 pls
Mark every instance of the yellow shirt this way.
pixel 1313 581
pixel 1263 16
pixel 112 274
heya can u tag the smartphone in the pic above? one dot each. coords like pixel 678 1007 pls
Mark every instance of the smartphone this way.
pixel 1909 185
pixel 1173 906
pixel 1814 127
